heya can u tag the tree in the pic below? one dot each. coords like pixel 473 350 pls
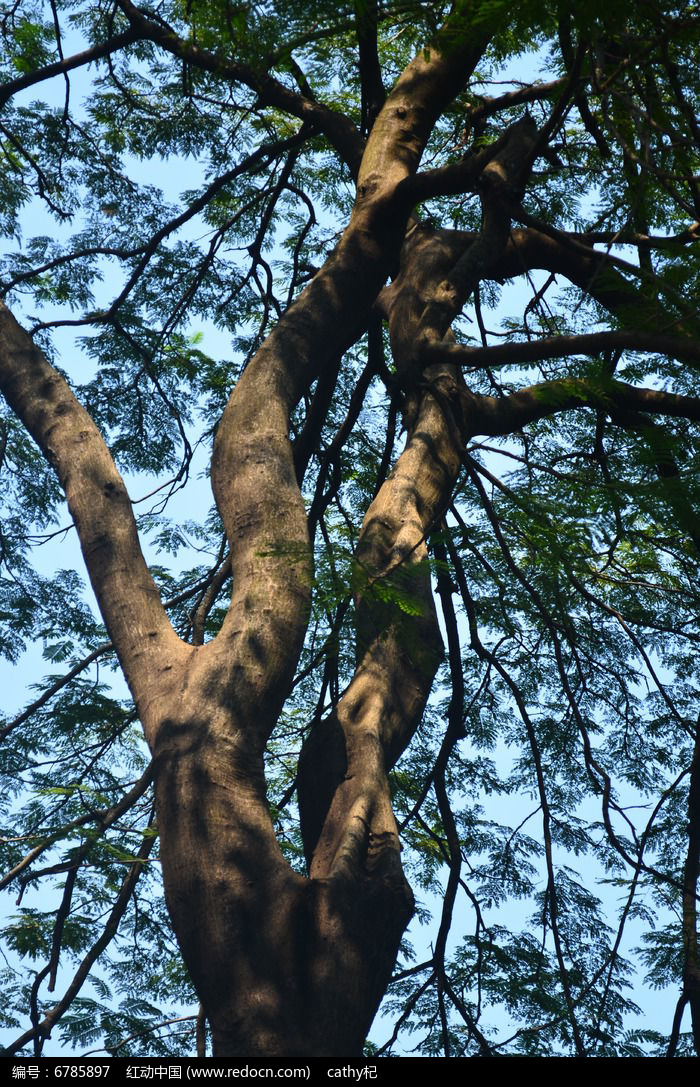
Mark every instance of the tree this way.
pixel 380 455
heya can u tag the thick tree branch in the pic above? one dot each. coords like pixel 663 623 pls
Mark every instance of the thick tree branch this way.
pixel 343 790
pixel 338 129
pixel 596 274
pixel 99 504
pixel 397 658
pixel 68 64
pixel 533 92
pixel 428 84
pixel 501 180
pixel 455 177
pixel 555 347
pixel 504 415
pixel 385 700
pixel 371 85
pixel 252 469
pixel 655 284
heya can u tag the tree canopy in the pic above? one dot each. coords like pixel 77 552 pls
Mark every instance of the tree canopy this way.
pixel 412 289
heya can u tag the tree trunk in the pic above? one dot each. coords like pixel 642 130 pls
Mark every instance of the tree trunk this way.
pixel 284 966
